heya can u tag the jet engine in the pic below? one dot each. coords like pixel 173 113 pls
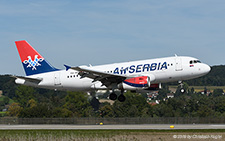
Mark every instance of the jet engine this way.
pixel 135 83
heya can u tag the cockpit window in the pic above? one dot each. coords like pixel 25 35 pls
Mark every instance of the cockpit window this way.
pixel 194 61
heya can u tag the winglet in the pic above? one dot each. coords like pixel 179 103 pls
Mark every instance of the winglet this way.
pixel 67 67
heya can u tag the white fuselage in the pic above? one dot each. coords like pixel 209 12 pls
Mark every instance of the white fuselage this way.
pixel 159 70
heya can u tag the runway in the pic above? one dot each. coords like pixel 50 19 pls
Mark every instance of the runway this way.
pixel 99 127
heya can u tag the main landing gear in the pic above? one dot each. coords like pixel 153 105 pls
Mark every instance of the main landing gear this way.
pixel 121 97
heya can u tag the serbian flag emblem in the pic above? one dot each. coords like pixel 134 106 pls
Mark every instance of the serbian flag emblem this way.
pixel 191 65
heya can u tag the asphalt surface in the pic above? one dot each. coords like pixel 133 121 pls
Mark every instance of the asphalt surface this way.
pixel 97 127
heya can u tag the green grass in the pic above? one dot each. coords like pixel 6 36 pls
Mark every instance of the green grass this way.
pixel 2 112
pixel 102 134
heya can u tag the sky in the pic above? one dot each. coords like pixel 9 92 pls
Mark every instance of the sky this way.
pixel 78 32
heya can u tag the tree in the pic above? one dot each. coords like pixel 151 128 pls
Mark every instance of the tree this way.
pixel 205 111
pixel 106 111
pixel 77 103
pixel 132 107
pixel 218 92
pixel 163 110
pixel 5 100
pixel 32 103
pixel 42 110
pixel 24 94
pixel 163 92
pixel 14 109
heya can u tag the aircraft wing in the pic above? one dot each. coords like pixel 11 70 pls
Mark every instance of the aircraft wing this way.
pixel 107 79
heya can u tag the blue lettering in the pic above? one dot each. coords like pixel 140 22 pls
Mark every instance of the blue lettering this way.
pixel 153 66
pixel 138 69
pixel 164 65
pixel 141 68
pixel 116 71
pixel 132 69
pixel 121 70
pixel 159 65
pixel 146 67
pixel 125 70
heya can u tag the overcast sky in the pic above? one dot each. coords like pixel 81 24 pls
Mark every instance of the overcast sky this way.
pixel 82 32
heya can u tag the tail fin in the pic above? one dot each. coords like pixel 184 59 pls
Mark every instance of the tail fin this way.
pixel 32 61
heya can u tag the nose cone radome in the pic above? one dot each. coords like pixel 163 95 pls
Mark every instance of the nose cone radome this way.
pixel 206 69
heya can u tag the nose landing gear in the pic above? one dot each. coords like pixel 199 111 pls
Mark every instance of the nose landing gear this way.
pixel 182 90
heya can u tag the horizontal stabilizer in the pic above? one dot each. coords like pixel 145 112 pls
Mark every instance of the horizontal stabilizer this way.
pixel 33 80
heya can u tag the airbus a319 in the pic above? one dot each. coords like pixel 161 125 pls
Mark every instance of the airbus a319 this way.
pixel 143 75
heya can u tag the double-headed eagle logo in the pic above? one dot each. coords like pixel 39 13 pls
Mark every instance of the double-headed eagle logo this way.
pixel 33 64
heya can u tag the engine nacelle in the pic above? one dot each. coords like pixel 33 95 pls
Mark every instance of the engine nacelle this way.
pixel 135 83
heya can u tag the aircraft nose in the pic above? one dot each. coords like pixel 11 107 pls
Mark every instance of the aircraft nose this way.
pixel 206 68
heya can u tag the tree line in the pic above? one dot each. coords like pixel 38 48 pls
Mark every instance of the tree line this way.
pixel 29 103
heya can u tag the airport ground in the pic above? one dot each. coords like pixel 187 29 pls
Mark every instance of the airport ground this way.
pixel 144 132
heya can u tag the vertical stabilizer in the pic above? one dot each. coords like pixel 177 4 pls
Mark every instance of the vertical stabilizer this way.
pixel 32 61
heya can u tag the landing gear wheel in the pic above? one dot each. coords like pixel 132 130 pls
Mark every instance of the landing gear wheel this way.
pixel 182 90
pixel 112 96
pixel 121 98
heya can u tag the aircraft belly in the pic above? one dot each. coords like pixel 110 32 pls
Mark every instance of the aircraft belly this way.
pixel 77 84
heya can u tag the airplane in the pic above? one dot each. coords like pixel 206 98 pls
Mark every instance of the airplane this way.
pixel 143 75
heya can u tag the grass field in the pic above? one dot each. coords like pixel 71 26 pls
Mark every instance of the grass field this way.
pixel 111 135
pixel 2 114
